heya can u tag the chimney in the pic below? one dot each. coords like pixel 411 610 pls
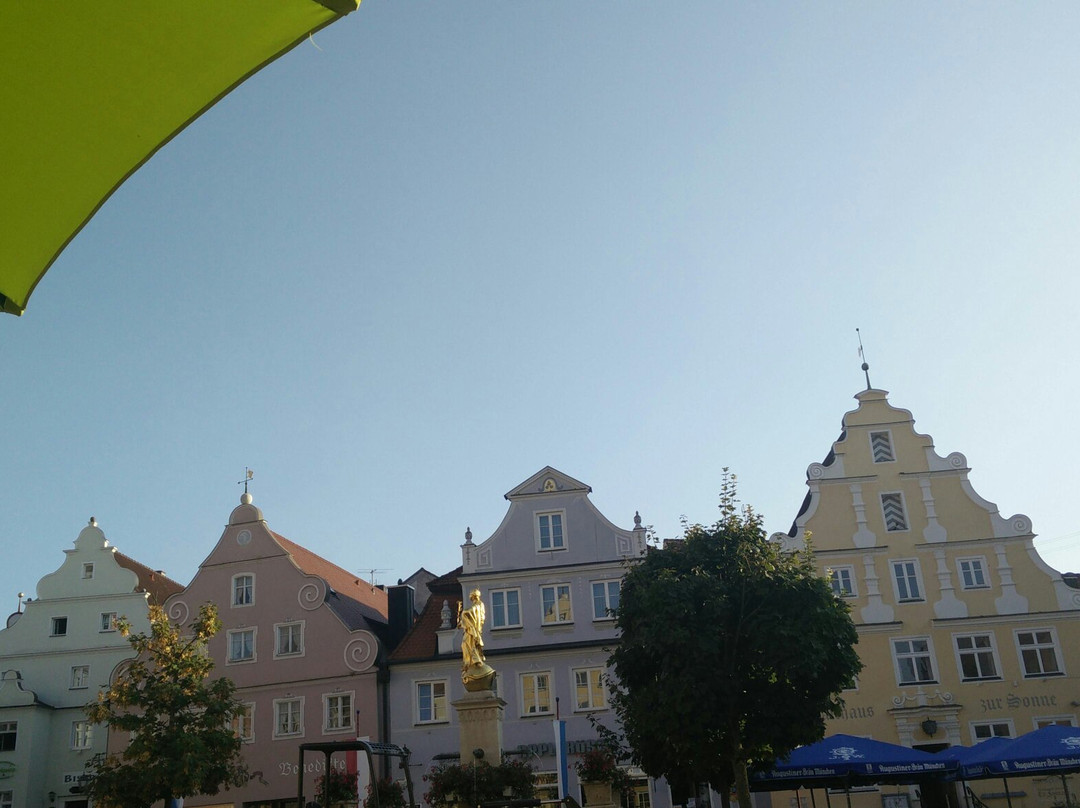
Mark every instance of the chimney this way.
pixel 401 601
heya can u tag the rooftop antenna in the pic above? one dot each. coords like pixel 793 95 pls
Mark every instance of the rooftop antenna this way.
pixel 862 356
pixel 248 473
pixel 371 575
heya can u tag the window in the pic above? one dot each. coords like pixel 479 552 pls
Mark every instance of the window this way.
pixel 82 734
pixel 289 639
pixel 242 645
pixel 843 581
pixel 906 581
pixel 243 723
pixel 605 599
pixel 87 570
pixel 881 447
pixel 892 508
pixel 914 662
pixel 288 717
pixel 972 573
pixel 556 604
pixel 243 590
pixel 108 621
pixel 589 689
pixel 80 677
pixel 337 712
pixel 976 657
pixel 9 731
pixel 984 730
pixel 535 693
pixel 549 531
pixel 430 702
pixel 59 626
pixel 1038 652
pixel 505 608
pixel 1055 721
pixel 7 799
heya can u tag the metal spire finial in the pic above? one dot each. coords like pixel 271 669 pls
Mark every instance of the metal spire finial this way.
pixel 862 356
pixel 248 474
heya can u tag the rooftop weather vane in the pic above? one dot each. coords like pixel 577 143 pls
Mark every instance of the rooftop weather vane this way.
pixel 862 356
pixel 248 474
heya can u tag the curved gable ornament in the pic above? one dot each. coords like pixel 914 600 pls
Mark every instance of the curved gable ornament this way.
pixel 360 652
pixel 311 594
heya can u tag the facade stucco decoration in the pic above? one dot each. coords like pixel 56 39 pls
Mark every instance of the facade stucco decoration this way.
pixel 964 631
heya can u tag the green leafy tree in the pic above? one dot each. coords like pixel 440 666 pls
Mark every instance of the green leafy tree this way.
pixel 182 743
pixel 732 652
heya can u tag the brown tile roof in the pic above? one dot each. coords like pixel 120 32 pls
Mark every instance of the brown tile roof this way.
pixel 422 642
pixel 159 585
pixel 367 595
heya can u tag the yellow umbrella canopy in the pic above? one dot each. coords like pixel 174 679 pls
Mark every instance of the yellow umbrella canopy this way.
pixel 90 90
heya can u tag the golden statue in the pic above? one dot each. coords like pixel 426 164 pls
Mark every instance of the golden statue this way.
pixel 476 674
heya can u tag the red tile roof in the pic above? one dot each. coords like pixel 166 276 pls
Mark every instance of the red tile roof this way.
pixel 422 641
pixel 159 585
pixel 340 580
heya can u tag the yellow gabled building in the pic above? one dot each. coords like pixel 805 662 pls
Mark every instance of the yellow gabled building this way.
pixel 964 631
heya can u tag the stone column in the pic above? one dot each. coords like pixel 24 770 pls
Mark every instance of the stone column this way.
pixel 480 716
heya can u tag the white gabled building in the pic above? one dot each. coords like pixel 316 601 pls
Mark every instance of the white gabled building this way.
pixel 55 654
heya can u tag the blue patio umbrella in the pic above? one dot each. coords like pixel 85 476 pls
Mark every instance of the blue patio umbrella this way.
pixel 1050 750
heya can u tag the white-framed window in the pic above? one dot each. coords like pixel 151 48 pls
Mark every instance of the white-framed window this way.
pixel 914 661
pixel 536 693
pixel 288 717
pixel 605 599
pixel 243 589
pixel 972 572
pixel 1039 652
pixel 842 580
pixel 87 571
pixel 289 639
pixel 1054 721
pixel 243 723
pixel 337 712
pixel 985 730
pixel 241 645
pixel 9 734
pixel 893 512
pixel 907 581
pixel 80 677
pixel 589 692
pixel 7 799
pixel 505 608
pixel 976 657
pixel 555 604
pixel 431 702
pixel 881 449
pixel 82 734
pixel 108 621
pixel 59 627
pixel 549 531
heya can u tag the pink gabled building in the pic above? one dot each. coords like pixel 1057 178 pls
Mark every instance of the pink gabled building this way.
pixel 300 639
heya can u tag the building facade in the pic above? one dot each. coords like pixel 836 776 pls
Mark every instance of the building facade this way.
pixel 55 654
pixel 549 576
pixel 299 639
pixel 964 631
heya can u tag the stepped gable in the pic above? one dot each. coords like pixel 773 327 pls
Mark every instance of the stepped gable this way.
pixel 353 599
pixel 422 641
pixel 155 583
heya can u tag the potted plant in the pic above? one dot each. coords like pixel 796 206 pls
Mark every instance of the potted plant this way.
pixel 603 779
pixel 453 785
pixel 337 789
pixel 385 793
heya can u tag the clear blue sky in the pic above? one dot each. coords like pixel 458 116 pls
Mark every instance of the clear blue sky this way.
pixel 445 244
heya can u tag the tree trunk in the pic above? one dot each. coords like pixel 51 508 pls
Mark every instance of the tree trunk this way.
pixel 725 795
pixel 742 785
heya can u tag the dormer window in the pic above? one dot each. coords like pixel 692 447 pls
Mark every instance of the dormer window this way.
pixel 881 447
pixel 549 531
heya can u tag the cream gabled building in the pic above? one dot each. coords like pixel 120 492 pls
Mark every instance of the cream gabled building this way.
pixel 964 631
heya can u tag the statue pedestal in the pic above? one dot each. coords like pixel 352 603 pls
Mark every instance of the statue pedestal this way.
pixel 480 717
